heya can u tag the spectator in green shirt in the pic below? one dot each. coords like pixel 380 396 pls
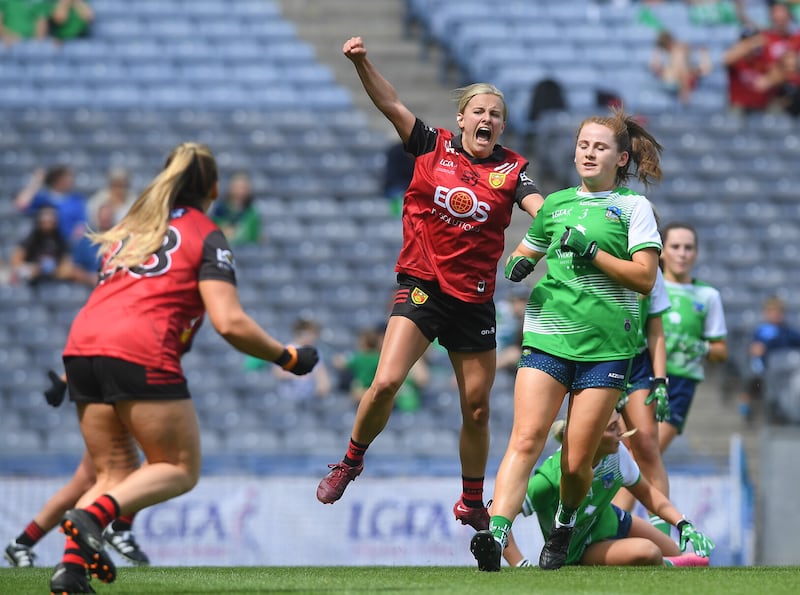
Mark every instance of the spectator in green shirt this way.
pixel 23 19
pixel 70 19
pixel 235 213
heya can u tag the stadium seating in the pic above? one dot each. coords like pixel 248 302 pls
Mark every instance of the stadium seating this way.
pixel 731 176
pixel 235 75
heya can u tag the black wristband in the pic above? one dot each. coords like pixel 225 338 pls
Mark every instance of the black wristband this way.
pixel 660 380
pixel 682 523
pixel 284 358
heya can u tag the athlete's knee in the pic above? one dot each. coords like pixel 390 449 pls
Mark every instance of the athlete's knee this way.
pixel 528 442
pixel 384 388
pixel 647 553
pixel 187 477
pixel 477 412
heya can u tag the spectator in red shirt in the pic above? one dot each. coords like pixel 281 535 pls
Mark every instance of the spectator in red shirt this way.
pixel 747 65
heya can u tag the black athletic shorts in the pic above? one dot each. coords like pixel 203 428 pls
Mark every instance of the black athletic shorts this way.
pixel 100 379
pixel 459 326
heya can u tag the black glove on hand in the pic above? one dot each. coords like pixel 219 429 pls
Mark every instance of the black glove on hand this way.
pixel 575 241
pixel 519 267
pixel 298 360
pixel 58 388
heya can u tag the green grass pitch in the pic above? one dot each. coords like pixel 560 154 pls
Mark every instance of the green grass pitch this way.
pixel 425 579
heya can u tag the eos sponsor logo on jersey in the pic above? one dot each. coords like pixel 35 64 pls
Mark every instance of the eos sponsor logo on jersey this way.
pixel 461 203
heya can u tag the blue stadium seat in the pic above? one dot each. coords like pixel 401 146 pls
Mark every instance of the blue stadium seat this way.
pixel 20 440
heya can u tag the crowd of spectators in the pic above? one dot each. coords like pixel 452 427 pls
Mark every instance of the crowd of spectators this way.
pixel 761 67
pixel 59 20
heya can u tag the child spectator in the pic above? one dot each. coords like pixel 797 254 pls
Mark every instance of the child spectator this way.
pixel 679 66
pixel 43 255
pixel 771 335
pixel 783 81
pixel 314 385
pixel 360 366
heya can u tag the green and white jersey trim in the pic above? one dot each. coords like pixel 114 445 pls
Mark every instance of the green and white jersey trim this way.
pixel 613 472
pixel 576 311
pixel 696 315
pixel 650 306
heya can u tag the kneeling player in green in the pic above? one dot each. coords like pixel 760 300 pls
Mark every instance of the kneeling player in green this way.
pixel 604 534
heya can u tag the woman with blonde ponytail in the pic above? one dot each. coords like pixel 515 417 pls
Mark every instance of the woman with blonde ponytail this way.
pixel 601 244
pixel 165 265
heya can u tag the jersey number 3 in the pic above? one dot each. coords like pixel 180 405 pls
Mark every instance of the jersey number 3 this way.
pixel 161 260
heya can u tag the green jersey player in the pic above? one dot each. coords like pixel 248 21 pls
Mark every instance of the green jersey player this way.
pixel 645 401
pixel 604 534
pixel 601 245
pixel 694 327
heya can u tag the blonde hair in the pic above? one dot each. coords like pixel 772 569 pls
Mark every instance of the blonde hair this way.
pixel 188 178
pixel 463 95
pixel 631 136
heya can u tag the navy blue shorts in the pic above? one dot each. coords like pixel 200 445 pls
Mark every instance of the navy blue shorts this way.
pixel 625 522
pixel 681 393
pixel 459 326
pixel 99 379
pixel 641 373
pixel 578 375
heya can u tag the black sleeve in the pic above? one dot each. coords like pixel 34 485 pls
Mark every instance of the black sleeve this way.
pixel 217 262
pixel 422 139
pixel 525 186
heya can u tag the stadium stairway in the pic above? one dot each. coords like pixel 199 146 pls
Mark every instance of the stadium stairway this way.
pixel 327 25
pixel 396 49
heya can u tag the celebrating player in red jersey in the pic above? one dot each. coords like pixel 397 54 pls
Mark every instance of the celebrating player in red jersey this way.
pixel 455 211
pixel 166 264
